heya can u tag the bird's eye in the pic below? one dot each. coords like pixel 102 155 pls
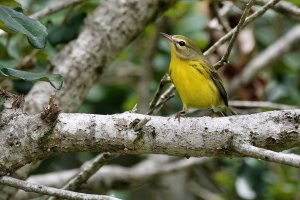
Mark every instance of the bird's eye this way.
pixel 181 43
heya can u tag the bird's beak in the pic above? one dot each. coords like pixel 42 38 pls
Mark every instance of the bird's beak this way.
pixel 168 37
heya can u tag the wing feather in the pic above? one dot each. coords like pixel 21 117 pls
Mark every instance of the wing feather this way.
pixel 204 65
pixel 218 82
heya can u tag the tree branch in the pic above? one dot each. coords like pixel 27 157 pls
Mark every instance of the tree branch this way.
pixel 261 104
pixel 285 8
pixel 263 154
pixel 34 140
pixel 55 7
pixel 161 96
pixel 144 93
pixel 164 98
pixel 266 58
pixel 33 187
pixel 248 20
pixel 118 177
pixel 89 169
pixel 220 18
pixel 237 29
pixel 106 32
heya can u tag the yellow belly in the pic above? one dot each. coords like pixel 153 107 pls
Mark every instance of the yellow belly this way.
pixel 196 89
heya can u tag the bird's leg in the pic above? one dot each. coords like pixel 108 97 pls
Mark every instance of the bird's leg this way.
pixel 216 113
pixel 180 114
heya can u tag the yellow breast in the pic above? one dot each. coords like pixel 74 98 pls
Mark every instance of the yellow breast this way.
pixel 194 84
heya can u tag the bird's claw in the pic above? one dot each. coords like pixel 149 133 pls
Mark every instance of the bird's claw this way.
pixel 180 114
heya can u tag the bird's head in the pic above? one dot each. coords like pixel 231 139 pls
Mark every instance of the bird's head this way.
pixel 183 47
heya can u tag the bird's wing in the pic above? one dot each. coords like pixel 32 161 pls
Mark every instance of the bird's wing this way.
pixel 218 82
pixel 204 65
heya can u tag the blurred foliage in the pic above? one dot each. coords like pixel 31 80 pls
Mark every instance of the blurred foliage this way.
pixel 10 3
pixel 55 80
pixel 14 21
pixel 67 31
pixel 115 92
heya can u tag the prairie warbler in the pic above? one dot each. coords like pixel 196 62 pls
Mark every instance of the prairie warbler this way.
pixel 197 82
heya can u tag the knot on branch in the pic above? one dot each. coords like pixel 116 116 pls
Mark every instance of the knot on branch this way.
pixel 138 124
pixel 50 112
pixel 17 100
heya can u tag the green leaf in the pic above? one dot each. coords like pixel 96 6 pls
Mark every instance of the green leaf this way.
pixel 63 33
pixel 56 80
pixel 10 3
pixel 18 22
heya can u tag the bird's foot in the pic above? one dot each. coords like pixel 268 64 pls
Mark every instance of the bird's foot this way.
pixel 180 114
pixel 216 113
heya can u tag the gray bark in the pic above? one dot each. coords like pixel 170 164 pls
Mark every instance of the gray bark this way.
pixel 112 26
pixel 117 177
pixel 27 138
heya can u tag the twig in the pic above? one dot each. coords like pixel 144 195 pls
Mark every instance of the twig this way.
pixel 33 187
pixel 147 71
pixel 164 97
pixel 141 123
pixel 27 61
pixel 285 8
pixel 17 100
pixel 165 80
pixel 55 7
pixel 202 193
pixel 248 20
pixel 260 104
pixel 264 59
pixel 111 176
pixel 237 29
pixel 89 169
pixel 267 155
pixel 220 18
pixel 51 111
pixel 221 12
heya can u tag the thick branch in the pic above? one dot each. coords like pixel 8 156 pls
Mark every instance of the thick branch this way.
pixel 34 140
pixel 111 27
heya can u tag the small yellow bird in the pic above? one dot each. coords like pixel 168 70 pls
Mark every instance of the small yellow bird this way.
pixel 197 82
